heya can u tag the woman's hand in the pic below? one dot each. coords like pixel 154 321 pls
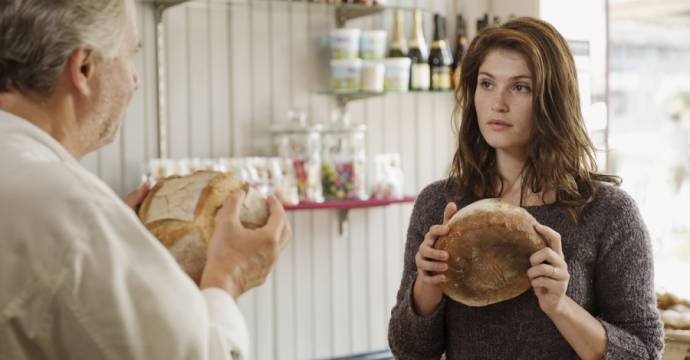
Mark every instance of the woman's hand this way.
pixel 549 275
pixel 427 292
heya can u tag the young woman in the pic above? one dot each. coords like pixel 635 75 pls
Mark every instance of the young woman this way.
pixel 522 139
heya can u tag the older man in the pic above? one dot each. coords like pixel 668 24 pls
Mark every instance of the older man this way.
pixel 80 277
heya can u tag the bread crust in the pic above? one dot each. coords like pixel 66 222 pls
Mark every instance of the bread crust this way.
pixel 489 244
pixel 187 240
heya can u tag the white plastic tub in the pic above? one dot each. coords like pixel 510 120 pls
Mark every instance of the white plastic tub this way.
pixel 373 73
pixel 346 75
pixel 372 45
pixel 344 43
pixel 397 77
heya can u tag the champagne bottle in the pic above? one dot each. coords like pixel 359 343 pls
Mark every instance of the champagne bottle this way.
pixel 398 45
pixel 440 58
pixel 420 75
pixel 482 23
pixel 461 43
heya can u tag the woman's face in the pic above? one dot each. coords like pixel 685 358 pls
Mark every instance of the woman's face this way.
pixel 503 101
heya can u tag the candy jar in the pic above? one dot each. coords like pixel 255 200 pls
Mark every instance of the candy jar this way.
pixel 344 159
pixel 301 143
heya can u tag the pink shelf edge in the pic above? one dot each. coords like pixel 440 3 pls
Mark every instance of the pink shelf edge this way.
pixel 348 204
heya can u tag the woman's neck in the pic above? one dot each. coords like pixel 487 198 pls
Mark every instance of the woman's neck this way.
pixel 510 166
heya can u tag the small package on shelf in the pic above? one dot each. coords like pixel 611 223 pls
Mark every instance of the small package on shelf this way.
pixel 389 177
pixel 372 76
pixel 344 159
pixel 397 75
pixel 344 43
pixel 346 75
pixel 372 45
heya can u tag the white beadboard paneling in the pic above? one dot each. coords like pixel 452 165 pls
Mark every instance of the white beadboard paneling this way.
pixel 280 60
pixel 426 156
pixel 177 56
pixel 219 74
pixel 304 285
pixel 340 287
pixel 376 277
pixel 359 275
pixel 301 49
pixel 441 134
pixel 408 143
pixel 322 314
pixel 240 76
pixel 284 302
pixel 262 76
pixel 199 80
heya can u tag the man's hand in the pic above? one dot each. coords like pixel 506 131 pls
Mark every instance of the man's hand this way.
pixel 239 259
pixel 136 197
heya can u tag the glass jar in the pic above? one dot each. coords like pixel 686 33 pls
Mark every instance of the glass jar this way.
pixel 344 159
pixel 301 143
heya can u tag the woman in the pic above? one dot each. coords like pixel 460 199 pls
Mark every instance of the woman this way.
pixel 522 139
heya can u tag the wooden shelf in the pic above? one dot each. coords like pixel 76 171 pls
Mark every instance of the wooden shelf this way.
pixel 349 204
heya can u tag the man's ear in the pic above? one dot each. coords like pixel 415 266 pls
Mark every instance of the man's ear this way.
pixel 81 68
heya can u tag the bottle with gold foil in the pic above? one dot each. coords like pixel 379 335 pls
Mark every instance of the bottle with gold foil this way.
pixel 420 74
pixel 440 58
pixel 398 44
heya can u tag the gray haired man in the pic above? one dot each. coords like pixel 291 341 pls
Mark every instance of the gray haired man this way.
pixel 80 276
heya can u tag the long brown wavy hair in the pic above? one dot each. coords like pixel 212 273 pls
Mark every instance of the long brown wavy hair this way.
pixel 560 155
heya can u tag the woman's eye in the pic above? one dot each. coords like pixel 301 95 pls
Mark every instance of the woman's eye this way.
pixel 485 84
pixel 522 88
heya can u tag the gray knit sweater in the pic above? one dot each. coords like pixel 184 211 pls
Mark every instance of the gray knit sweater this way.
pixel 610 262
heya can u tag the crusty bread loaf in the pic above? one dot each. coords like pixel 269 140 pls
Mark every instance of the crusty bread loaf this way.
pixel 180 211
pixel 489 246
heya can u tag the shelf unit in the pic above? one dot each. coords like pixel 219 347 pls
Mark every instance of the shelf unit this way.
pixel 343 14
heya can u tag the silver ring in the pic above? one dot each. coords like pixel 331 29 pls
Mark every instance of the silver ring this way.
pixel 554 270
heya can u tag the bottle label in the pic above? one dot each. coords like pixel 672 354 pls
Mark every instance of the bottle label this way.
pixel 440 78
pixel 421 76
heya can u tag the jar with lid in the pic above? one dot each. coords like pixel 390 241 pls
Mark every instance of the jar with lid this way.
pixel 301 143
pixel 344 159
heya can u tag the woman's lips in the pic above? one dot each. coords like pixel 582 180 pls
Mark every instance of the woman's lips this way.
pixel 499 125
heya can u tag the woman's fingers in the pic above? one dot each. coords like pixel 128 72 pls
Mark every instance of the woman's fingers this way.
pixel 551 236
pixel 548 255
pixel 432 266
pixel 434 279
pixel 549 271
pixel 450 210
pixel 428 252
pixel 554 286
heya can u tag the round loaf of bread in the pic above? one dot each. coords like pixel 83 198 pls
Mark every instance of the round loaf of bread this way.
pixel 489 246
pixel 180 211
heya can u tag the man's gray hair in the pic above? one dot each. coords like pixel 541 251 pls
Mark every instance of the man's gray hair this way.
pixel 37 38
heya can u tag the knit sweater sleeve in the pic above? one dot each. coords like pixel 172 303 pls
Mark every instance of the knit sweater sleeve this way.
pixel 624 284
pixel 410 335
